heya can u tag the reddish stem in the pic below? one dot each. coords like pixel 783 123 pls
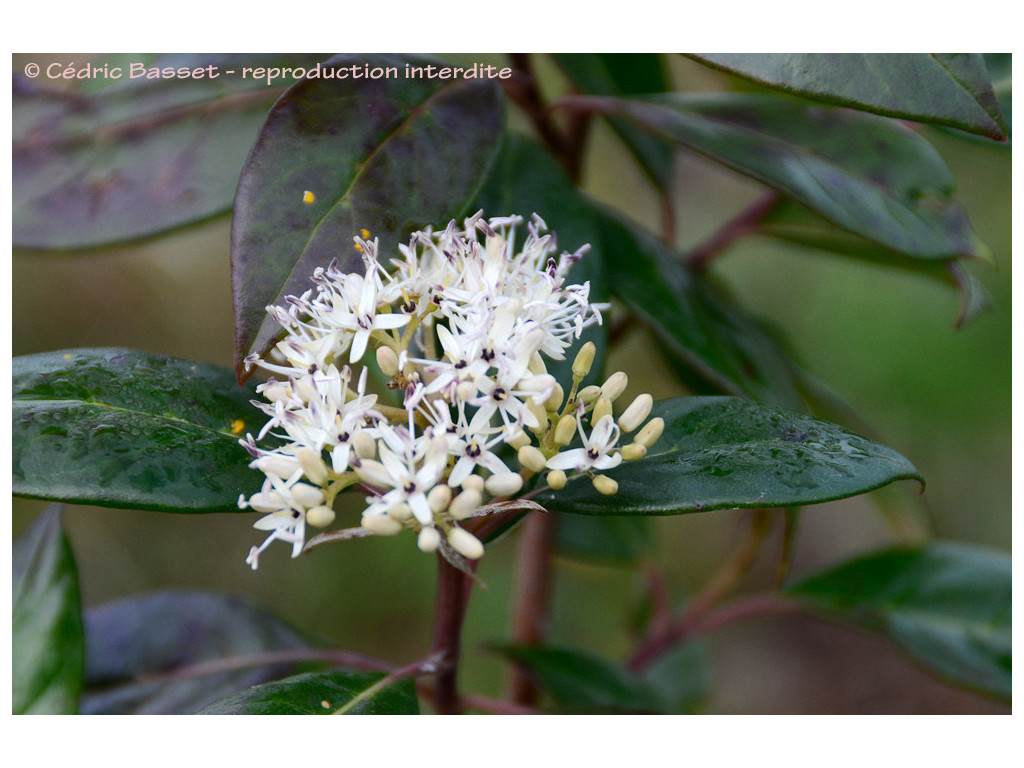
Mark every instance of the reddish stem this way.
pixel 762 604
pixel 660 639
pixel 523 90
pixel 453 590
pixel 739 226
pixel 529 623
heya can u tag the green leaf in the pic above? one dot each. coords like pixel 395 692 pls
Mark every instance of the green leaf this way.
pixel 1000 68
pixel 323 693
pixel 390 155
pixel 580 681
pixel 866 174
pixel 136 156
pixel 46 637
pixel 120 428
pixel 680 677
pixel 946 89
pixel 527 180
pixel 706 332
pixel 139 649
pixel 793 223
pixel 612 540
pixel 625 74
pixel 947 605
pixel 722 452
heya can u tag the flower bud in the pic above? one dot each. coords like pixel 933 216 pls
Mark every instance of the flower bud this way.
pixel 651 432
pixel 584 361
pixel 556 479
pixel 306 495
pixel 312 464
pixel 382 525
pixel 602 408
pixel 364 445
pixel 531 458
pixel 634 451
pixel 605 485
pixel 400 512
pixel 541 384
pixel 553 403
pixel 439 497
pixel 320 517
pixel 374 473
pixel 637 411
pixel 270 501
pixel 388 361
pixel 473 482
pixel 275 464
pixel 587 395
pixel 503 483
pixel 516 437
pixel 466 503
pixel 565 430
pixel 538 413
pixel 465 543
pixel 429 539
pixel 615 385
pixel 537 365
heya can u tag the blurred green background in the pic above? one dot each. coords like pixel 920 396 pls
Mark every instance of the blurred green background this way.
pixel 883 339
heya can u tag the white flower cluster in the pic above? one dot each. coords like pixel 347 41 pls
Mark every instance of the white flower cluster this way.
pixel 462 324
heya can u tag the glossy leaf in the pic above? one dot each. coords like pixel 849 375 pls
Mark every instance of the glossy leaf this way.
pixel 46 632
pixel 946 89
pixel 863 173
pixel 121 428
pixel 527 180
pixel 792 223
pixel 947 605
pixel 611 540
pixel 680 677
pixel 721 453
pixel 323 693
pixel 390 155
pixel 579 681
pixel 123 157
pixel 709 335
pixel 145 654
pixel 625 74
pixel 1000 68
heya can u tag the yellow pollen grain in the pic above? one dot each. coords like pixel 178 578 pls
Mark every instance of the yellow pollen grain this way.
pixel 359 247
pixel 364 233
pixel 308 197
pixel 237 426
pixel 67 356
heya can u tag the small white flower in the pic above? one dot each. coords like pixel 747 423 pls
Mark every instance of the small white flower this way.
pixel 475 452
pixel 410 473
pixel 596 452
pixel 484 312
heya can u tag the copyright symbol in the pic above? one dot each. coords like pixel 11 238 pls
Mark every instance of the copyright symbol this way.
pixel 32 70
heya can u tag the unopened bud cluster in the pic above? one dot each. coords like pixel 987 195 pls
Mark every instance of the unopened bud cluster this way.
pixel 462 323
